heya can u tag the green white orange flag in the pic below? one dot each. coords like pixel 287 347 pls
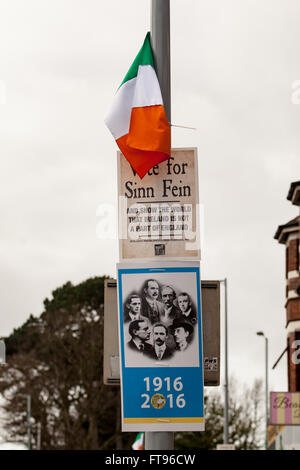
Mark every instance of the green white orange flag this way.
pixel 139 442
pixel 137 118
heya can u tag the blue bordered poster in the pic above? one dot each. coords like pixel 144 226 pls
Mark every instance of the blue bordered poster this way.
pixel 160 335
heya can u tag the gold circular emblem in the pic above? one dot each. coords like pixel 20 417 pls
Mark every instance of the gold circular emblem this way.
pixel 158 401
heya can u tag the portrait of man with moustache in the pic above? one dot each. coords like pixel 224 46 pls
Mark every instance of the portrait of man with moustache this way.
pixel 152 308
pixel 160 350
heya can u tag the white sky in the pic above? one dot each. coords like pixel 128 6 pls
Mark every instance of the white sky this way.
pixel 233 66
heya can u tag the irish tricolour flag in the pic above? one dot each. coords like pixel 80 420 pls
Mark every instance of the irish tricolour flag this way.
pixel 139 442
pixel 137 119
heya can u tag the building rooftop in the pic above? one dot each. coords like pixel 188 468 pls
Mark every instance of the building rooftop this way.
pixel 294 193
pixel 284 230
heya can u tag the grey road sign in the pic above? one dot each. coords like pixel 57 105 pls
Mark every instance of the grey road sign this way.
pixel 210 293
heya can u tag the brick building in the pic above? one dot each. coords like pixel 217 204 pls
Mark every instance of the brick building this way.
pixel 289 235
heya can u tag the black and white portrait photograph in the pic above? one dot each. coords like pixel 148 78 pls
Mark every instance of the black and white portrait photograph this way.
pixel 160 316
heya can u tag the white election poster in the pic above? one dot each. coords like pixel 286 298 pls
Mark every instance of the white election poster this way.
pixel 160 333
pixel 159 214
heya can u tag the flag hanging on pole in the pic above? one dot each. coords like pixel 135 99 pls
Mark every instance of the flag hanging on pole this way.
pixel 137 118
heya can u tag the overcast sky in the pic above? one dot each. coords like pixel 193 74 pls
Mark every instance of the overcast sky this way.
pixel 233 66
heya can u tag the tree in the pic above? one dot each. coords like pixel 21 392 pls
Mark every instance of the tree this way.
pixel 245 420
pixel 57 359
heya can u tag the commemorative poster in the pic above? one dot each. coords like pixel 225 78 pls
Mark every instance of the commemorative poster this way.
pixel 159 214
pixel 160 339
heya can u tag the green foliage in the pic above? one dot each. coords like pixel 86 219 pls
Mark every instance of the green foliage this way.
pixel 245 420
pixel 57 359
pixel 89 292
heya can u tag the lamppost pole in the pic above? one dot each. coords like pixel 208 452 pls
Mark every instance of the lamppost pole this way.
pixel 28 421
pixel 28 398
pixel 226 404
pixel 160 41
pixel 261 333
pixel 39 436
pixel 267 391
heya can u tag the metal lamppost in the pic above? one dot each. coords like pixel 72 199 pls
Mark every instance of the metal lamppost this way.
pixel 226 403
pixel 261 333
pixel 39 436
pixel 160 41
pixel 28 397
